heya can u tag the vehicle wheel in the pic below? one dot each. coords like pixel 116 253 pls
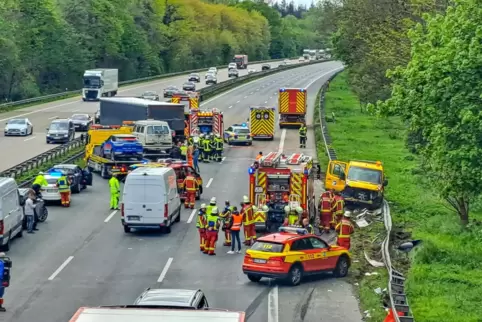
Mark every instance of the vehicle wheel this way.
pixel 178 217
pixel 31 131
pixel 127 229
pixel 47 141
pixel 6 247
pixel 341 269
pixel 44 215
pixel 295 275
pixel 250 143
pixel 84 99
pixel 254 278
pixel 200 192
pixel 76 188
pixel 229 142
pixel 166 230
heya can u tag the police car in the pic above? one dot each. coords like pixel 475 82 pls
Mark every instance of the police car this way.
pixel 291 254
pixel 238 134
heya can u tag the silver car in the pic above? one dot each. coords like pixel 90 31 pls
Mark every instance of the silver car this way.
pixel 18 127
pixel 173 298
pixel 150 95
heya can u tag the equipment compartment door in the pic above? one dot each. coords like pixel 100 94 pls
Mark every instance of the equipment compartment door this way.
pixel 336 175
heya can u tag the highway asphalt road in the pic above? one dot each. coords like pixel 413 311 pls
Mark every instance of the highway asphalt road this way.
pixel 21 149
pixel 82 257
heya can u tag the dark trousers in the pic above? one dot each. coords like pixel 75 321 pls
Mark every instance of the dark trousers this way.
pixel 235 239
pixel 302 141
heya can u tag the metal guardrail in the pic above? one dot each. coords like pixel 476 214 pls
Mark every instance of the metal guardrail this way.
pixel 128 82
pixel 205 93
pixel 396 282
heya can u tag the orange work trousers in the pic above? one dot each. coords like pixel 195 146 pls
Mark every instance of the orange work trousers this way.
pixel 202 239
pixel 211 238
pixel 344 242
pixel 227 237
pixel 326 218
pixel 249 234
pixel 65 198
pixel 190 199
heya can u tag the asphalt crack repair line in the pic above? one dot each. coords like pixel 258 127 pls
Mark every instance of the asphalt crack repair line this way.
pixel 61 267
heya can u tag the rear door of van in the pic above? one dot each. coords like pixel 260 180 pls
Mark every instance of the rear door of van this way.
pixel 144 200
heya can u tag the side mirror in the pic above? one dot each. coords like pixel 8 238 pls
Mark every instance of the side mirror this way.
pixel 385 182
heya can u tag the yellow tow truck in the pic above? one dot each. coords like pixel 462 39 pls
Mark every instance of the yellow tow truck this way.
pixel 361 183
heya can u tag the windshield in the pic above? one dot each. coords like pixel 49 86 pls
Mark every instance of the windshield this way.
pixel 241 131
pixel 80 117
pixel 59 126
pixel 92 81
pixel 16 122
pixel 365 175
pixel 62 170
pixel 237 59
pixel 157 129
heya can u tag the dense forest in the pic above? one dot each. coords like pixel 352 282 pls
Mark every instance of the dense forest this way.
pixel 47 44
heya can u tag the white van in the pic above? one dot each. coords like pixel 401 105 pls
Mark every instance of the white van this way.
pixel 11 213
pixel 150 199
pixel 155 136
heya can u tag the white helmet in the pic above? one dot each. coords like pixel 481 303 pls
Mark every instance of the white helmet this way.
pixel 299 210
pixel 287 209
pixel 347 214
pixel 215 211
pixel 40 173
pixel 203 206
pixel 218 136
pixel 213 201
pixel 245 199
pixel 265 208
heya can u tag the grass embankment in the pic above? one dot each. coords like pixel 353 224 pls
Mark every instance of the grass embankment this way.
pixel 444 274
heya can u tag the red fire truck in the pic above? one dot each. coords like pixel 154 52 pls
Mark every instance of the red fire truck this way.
pixel 278 181
pixel 189 100
pixel 204 122
pixel 292 106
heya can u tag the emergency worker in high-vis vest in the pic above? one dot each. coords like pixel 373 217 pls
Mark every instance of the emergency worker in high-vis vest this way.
pixel 247 213
pixel 338 209
pixel 206 144
pixel 201 225
pixel 219 143
pixel 191 187
pixel 212 204
pixel 236 223
pixel 213 225
pixel 183 148
pixel 293 214
pixel 326 210
pixel 225 216
pixel 114 186
pixel 345 229
pixel 63 183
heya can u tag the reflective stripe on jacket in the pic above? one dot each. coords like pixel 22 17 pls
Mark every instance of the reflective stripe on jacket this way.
pixel 183 150
pixel 190 184
pixel 63 184
pixel 212 223
pixel 201 220
pixel 344 229
pixel 247 213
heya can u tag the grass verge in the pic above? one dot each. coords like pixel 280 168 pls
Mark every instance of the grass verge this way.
pixel 444 275
pixel 32 173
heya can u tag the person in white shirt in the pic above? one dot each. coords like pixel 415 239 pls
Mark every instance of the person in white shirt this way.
pixel 30 212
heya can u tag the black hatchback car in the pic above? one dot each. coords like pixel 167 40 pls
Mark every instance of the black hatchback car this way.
pixel 170 91
pixel 80 178
pixel 266 67
pixel 194 77
pixel 189 86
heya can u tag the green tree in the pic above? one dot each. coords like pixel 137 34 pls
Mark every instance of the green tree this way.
pixel 439 95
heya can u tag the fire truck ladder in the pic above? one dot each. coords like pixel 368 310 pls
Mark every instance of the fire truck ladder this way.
pixel 298 158
pixel 272 160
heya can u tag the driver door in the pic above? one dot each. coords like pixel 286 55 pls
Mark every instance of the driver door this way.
pixel 86 176
pixel 336 175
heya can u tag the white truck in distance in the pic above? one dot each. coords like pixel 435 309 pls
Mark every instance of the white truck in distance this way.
pixel 100 83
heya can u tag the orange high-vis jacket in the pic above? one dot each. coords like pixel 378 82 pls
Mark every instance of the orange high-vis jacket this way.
pixel 190 184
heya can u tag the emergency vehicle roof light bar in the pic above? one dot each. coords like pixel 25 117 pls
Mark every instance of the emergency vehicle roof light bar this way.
pixel 104 127
pixel 293 230
pixel 128 123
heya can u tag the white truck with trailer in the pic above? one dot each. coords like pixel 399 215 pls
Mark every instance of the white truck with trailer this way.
pixel 131 313
pixel 99 83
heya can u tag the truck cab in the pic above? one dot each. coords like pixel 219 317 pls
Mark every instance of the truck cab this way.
pixel 155 136
pixel 361 183
pixel 100 83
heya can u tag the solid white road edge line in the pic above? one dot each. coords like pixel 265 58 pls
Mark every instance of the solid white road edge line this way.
pixel 273 312
pixel 209 182
pixel 61 267
pixel 164 270
pixel 282 141
pixel 30 138
pixel 191 216
pixel 112 214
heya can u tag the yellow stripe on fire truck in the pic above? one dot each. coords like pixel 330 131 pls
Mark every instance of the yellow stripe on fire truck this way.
pixel 262 180
pixel 300 102
pixel 194 103
pixel 175 100
pixel 296 183
pixel 284 98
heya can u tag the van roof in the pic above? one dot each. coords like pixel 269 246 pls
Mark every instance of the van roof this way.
pixel 137 101
pixel 148 171
pixel 151 122
pixel 7 184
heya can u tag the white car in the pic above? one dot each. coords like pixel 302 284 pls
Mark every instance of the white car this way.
pixel 21 126
pixel 232 66
pixel 214 70
pixel 209 74
pixel 51 192
pixel 301 59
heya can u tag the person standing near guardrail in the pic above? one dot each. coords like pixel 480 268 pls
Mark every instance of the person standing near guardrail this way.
pixel 114 192
pixel 63 183
pixel 345 229
pixel 39 182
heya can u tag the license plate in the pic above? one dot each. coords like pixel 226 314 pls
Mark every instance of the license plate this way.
pixel 50 191
pixel 259 261
pixel 242 137
pixel 133 218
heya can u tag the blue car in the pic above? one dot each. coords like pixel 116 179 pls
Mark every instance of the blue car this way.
pixel 120 146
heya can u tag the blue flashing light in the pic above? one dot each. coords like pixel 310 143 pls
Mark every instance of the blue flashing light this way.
pixel 282 90
pixel 54 173
pixel 250 170
pixel 145 162
pixel 293 230
pixel 305 172
pixel 244 125
pixel 302 90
